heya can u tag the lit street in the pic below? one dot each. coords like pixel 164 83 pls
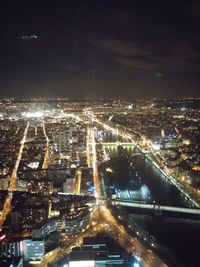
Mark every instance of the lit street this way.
pixel 13 179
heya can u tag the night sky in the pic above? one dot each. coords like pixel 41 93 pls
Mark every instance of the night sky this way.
pixel 100 49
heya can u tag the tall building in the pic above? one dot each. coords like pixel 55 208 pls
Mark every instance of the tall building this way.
pixel 10 249
pixel 162 133
pixel 97 252
pixel 32 249
pixel 45 228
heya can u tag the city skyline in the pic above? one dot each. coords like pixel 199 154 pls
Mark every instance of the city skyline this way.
pixel 99 133
pixel 70 170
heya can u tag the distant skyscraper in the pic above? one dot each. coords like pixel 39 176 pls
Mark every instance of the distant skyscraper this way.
pixel 162 133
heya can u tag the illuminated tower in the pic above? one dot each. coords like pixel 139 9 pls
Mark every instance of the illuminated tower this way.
pixel 162 133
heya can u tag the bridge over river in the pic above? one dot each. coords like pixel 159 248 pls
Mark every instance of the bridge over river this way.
pixel 146 206
pixel 155 207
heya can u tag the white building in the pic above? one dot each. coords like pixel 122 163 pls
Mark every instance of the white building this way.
pixel 32 249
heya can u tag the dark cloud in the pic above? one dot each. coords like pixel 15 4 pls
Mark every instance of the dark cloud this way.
pixel 181 57
pixel 70 68
pixel 99 48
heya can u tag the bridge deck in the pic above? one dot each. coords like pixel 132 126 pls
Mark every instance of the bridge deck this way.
pixel 156 207
pixel 117 144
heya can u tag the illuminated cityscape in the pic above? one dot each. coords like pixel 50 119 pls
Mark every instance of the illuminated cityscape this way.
pixel 99 133
pixel 77 173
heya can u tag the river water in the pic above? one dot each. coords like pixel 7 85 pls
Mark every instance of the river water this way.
pixel 180 236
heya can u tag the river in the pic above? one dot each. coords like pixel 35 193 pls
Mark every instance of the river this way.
pixel 179 235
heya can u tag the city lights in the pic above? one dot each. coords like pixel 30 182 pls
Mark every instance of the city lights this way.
pixel 36 114
pixel 75 173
